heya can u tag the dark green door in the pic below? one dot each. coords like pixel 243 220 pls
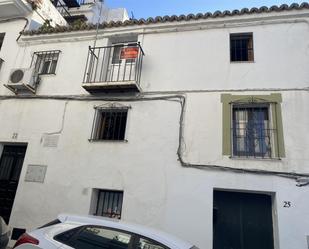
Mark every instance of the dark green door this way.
pixel 242 221
pixel 11 162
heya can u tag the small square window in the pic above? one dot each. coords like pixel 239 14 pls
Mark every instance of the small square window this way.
pixel 241 47
pixel 45 62
pixel 109 124
pixel 108 203
pixel 1 39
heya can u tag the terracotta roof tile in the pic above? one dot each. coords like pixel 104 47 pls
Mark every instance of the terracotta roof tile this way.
pixel 173 18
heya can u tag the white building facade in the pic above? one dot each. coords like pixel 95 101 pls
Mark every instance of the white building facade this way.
pixel 196 125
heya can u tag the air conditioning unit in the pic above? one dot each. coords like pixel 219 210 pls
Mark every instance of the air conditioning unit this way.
pixel 23 80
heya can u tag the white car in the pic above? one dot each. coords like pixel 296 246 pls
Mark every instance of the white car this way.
pixel 4 234
pixel 92 232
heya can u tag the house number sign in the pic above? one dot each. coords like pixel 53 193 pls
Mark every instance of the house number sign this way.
pixel 287 204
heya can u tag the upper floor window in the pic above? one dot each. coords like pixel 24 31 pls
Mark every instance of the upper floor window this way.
pixel 1 39
pixel 241 47
pixel 45 62
pixel 109 124
pixel 252 126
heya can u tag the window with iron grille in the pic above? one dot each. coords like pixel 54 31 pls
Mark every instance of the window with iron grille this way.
pixel 109 203
pixel 109 124
pixel 252 133
pixel 241 47
pixel 1 39
pixel 45 62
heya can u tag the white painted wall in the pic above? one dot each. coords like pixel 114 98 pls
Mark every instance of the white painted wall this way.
pixel 92 12
pixel 171 198
pixel 158 191
pixel 48 11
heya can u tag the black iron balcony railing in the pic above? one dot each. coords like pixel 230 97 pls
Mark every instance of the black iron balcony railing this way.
pixel 62 8
pixel 121 63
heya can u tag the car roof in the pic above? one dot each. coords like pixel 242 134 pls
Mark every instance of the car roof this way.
pixel 151 233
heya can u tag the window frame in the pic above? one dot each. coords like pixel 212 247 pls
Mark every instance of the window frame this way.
pixel 275 115
pixel 244 34
pixel 95 134
pixel 97 202
pixel 250 139
pixel 42 58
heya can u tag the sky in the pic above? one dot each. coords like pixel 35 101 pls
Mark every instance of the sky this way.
pixel 153 8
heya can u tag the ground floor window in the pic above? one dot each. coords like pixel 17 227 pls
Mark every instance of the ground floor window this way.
pixel 242 221
pixel 108 203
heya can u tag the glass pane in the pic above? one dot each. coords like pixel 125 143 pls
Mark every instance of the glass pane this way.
pixel 111 125
pixel 251 133
pixel 109 204
pixel 101 238
pixel 149 244
pixel 116 54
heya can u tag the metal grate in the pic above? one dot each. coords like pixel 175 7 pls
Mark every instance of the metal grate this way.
pixel 252 135
pixel 45 62
pixel 116 63
pixel 109 204
pixel 109 124
pixel 241 47
pixel 1 39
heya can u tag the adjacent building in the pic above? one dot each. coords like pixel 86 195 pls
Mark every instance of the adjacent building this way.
pixel 196 125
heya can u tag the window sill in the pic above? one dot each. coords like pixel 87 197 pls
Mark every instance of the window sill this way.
pixel 241 62
pixel 273 159
pixel 107 141
pixel 47 74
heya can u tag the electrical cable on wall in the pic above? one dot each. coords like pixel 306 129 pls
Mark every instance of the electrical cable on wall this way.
pixel 302 179
pixel 17 18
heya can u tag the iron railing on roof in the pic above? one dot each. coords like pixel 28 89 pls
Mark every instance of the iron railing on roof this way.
pixel 116 63
pixel 86 2
pixel 62 8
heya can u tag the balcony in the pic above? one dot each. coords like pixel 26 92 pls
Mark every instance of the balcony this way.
pixel 115 68
pixel 65 7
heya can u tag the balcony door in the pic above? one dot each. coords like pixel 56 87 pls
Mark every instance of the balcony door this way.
pixel 11 162
pixel 122 62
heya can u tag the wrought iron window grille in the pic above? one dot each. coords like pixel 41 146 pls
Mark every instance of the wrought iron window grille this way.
pixel 45 62
pixel 109 124
pixel 1 62
pixel 1 39
pixel 241 47
pixel 253 133
pixel 109 204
